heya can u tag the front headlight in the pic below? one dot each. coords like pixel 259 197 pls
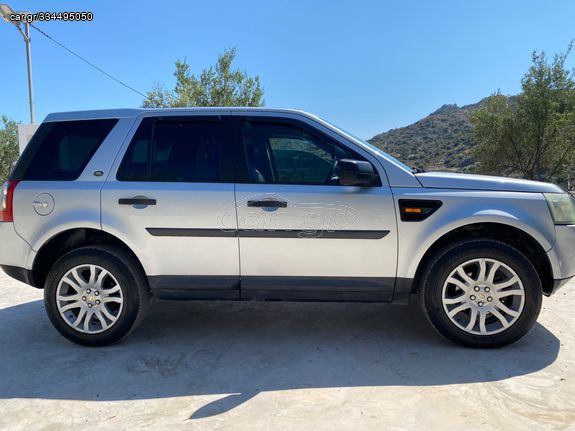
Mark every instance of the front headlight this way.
pixel 562 207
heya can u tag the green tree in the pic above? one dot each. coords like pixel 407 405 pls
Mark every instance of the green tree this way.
pixel 8 147
pixel 218 85
pixel 531 135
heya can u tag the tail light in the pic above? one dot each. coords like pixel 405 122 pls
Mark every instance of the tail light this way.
pixel 6 201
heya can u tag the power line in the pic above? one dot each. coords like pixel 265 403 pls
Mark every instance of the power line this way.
pixel 87 62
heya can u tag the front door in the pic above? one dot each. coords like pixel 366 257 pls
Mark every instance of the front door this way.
pixel 302 235
pixel 164 198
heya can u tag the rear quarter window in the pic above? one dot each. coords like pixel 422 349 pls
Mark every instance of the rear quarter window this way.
pixel 60 151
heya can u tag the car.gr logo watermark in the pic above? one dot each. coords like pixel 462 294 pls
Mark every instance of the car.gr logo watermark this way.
pixel 305 220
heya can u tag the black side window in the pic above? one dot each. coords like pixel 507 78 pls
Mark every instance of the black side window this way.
pixel 174 151
pixel 61 150
pixel 283 153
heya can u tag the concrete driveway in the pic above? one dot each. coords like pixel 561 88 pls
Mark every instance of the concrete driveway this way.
pixel 282 366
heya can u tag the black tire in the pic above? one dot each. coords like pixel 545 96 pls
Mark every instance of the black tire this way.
pixel 131 278
pixel 448 259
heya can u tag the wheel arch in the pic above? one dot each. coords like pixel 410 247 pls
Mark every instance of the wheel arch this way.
pixel 68 240
pixel 507 234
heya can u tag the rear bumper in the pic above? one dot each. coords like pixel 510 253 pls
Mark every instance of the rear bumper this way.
pixel 21 274
pixel 14 251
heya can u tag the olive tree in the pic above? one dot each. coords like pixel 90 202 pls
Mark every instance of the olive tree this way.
pixel 8 147
pixel 218 85
pixel 531 135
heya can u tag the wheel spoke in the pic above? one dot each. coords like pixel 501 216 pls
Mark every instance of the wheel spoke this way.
pixel 504 293
pixel 492 271
pixel 102 320
pixel 92 280
pixel 109 315
pixel 466 278
pixel 482 328
pixel 453 301
pixel 72 284
pixel 111 290
pixel 79 318
pixel 459 309
pixel 100 279
pixel 78 278
pixel 507 283
pixel 71 306
pixel 482 270
pixel 112 299
pixel 68 298
pixel 458 283
pixel 87 319
pixel 507 310
pixel 472 319
pixel 500 316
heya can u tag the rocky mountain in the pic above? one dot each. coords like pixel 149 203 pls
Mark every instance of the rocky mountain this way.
pixel 440 141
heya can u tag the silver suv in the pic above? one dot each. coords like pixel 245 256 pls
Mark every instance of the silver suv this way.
pixel 106 209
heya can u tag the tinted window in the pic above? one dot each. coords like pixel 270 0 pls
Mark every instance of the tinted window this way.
pixel 60 151
pixel 174 151
pixel 287 154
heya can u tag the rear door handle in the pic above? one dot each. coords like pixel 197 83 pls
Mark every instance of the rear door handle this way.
pixel 137 201
pixel 267 204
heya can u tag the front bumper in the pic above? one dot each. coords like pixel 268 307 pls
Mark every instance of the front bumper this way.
pixel 562 256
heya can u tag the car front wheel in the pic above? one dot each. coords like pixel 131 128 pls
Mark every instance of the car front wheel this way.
pixel 481 293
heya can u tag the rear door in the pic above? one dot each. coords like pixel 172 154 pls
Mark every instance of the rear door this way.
pixel 166 197
pixel 303 235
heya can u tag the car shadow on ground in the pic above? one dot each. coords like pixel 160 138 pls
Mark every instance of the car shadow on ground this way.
pixel 238 350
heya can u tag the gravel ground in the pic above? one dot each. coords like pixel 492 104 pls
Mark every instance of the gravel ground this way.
pixel 282 366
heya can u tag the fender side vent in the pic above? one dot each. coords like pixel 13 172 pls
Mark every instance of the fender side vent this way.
pixel 416 209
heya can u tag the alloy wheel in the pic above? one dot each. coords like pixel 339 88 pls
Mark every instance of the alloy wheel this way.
pixel 483 296
pixel 89 299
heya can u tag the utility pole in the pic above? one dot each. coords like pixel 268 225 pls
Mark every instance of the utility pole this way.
pixel 8 15
pixel 29 62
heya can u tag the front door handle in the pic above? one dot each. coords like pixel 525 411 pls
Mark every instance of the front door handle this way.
pixel 267 204
pixel 137 201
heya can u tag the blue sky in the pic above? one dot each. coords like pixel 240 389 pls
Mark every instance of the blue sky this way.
pixel 367 66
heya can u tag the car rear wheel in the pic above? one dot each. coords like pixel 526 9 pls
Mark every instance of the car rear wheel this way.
pixel 96 295
pixel 481 293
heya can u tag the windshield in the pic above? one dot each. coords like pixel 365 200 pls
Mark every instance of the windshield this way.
pixel 373 147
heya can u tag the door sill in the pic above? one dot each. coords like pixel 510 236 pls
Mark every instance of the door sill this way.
pixel 273 288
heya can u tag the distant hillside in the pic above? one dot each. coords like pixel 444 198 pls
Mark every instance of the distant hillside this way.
pixel 440 141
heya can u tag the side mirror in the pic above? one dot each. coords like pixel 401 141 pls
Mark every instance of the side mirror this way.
pixel 356 173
